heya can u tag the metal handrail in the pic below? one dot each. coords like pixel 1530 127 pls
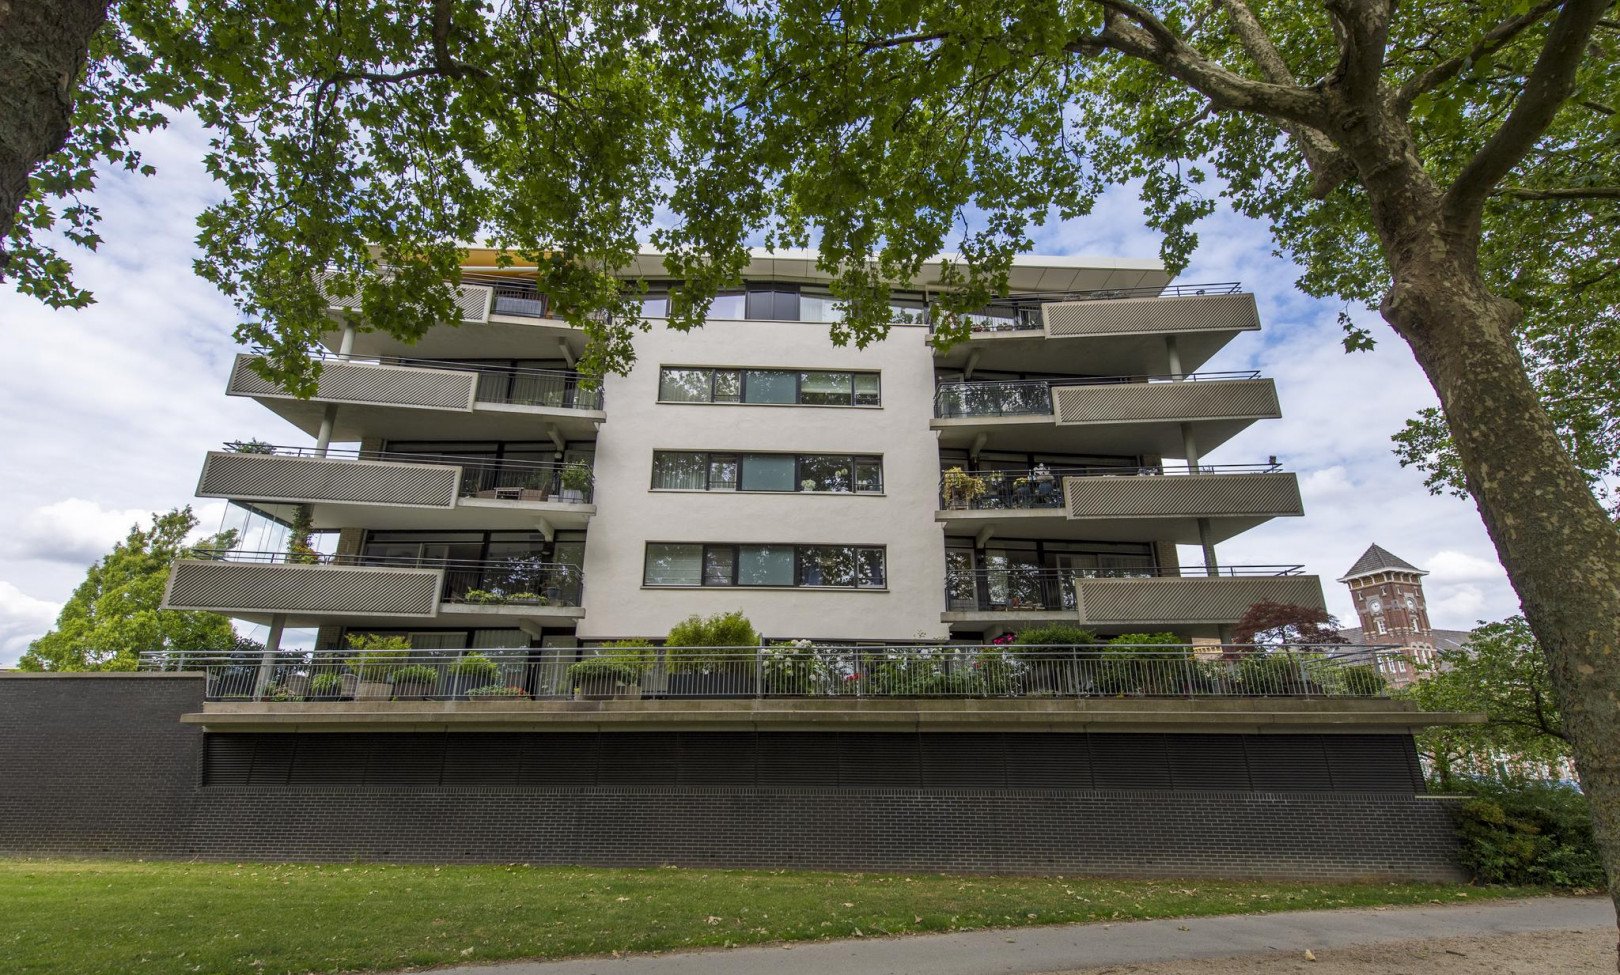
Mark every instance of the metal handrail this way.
pixel 1235 374
pixel 1033 397
pixel 1105 294
pixel 1027 487
pixel 515 580
pixel 478 476
pixel 559 388
pixel 1017 588
pixel 789 670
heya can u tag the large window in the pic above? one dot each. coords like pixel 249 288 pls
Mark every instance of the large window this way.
pixel 692 564
pixel 786 302
pixel 689 470
pixel 774 386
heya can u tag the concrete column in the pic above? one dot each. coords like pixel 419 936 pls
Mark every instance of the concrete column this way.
pixel 267 662
pixel 1189 445
pixel 346 344
pixel 1172 355
pixel 1211 567
pixel 323 440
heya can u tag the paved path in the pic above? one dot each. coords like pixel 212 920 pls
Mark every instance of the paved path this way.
pixel 1021 951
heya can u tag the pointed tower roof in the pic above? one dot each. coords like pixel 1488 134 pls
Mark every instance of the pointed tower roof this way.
pixel 1377 559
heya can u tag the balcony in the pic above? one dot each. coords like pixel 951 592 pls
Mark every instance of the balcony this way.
pixel 510 316
pixel 431 399
pixel 514 679
pixel 395 490
pixel 1118 503
pixel 1114 330
pixel 1139 597
pixel 359 590
pixel 1104 414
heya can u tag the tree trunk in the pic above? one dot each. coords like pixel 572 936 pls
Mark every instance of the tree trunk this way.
pixel 43 47
pixel 1560 548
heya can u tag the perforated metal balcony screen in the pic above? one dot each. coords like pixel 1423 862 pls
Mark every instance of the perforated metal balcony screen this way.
pixel 268 477
pixel 204 584
pixel 1232 399
pixel 383 385
pixel 1126 316
pixel 542 761
pixel 1189 599
pixel 1182 495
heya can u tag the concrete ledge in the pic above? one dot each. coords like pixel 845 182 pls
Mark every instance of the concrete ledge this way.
pixel 100 674
pixel 1227 715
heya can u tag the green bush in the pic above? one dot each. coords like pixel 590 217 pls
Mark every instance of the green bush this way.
pixel 682 648
pixel 1146 640
pixel 1055 635
pixel 1361 680
pixel 473 665
pixel 497 690
pixel 1532 835
pixel 1270 673
pixel 618 670
pixel 326 684
pixel 416 674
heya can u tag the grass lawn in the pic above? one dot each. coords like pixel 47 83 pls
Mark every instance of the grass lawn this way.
pixel 91 917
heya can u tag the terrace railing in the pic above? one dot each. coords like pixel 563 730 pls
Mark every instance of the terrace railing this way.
pixel 1033 397
pixel 481 477
pixel 519 580
pixel 1024 488
pixel 1033 589
pixel 797 670
pixel 515 385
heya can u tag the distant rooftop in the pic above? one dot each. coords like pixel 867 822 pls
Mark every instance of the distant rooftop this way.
pixel 1378 559
pixel 1030 272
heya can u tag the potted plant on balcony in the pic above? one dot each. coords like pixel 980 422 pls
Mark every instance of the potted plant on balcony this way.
pixel 377 657
pixel 576 479
pixel 329 685
pixel 537 486
pixel 470 671
pixel 712 656
pixel 497 694
pixel 962 488
pixel 414 682
pixel 793 668
pixel 615 672
pixel 1055 659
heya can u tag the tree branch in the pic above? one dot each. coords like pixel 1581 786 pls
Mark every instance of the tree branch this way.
pixel 1549 85
pixel 1135 32
pixel 1493 40
pixel 1561 193
pixel 1328 165
pixel 1361 28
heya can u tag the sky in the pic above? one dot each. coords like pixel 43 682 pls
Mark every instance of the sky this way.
pixel 105 413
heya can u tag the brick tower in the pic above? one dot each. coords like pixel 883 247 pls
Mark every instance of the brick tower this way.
pixel 1388 593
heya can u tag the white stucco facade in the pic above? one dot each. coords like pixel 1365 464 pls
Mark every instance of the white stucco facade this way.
pixel 901 519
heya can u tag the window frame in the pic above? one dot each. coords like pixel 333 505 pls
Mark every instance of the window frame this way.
pixel 856 375
pixel 855 463
pixel 733 555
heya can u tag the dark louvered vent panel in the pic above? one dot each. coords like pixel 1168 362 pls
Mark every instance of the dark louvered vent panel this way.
pixel 330 760
pixel 1129 762
pixel 406 762
pixel 1368 763
pixel 798 759
pixel 878 761
pixel 228 759
pixel 1057 761
pixel 562 761
pixel 637 759
pixel 484 761
pixel 428 761
pixel 963 761
pixel 1207 763
pixel 717 758
pixel 1287 763
pixel 273 759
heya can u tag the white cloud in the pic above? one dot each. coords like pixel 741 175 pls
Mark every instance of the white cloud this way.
pixel 23 619
pixel 1448 566
pixel 1461 602
pixel 73 530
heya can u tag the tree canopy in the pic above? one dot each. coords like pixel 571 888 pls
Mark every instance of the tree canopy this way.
pixel 1501 673
pixel 113 615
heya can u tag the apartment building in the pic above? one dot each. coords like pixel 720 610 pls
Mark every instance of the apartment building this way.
pixel 887 510
pixel 484 495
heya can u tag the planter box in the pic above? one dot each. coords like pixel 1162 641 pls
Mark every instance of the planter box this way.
pixel 606 689
pixel 717 684
pixel 373 690
pixel 414 690
pixel 485 702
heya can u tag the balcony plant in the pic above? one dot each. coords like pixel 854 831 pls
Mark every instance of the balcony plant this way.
pixel 537 486
pixel 1044 672
pixel 1145 663
pixel 414 682
pixel 329 685
pixel 471 671
pixel 576 480
pixel 497 693
pixel 249 447
pixel 961 488
pixel 712 656
pixel 377 656
pixel 793 668
pixel 616 673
